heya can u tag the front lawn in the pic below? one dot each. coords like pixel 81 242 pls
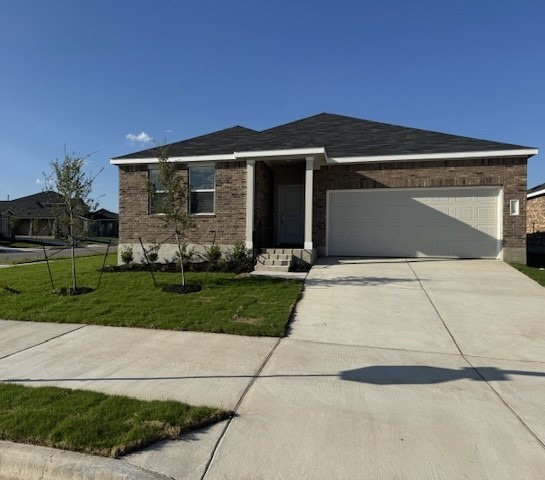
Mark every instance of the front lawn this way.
pixel 92 422
pixel 227 303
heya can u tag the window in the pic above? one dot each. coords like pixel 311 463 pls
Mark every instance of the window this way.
pixel 201 189
pixel 158 193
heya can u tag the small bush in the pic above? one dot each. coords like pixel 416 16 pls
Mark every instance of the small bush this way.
pixel 240 259
pixel 127 255
pixel 213 257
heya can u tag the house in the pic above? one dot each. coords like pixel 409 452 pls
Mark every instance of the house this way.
pixel 340 186
pixel 103 223
pixel 535 223
pixel 29 216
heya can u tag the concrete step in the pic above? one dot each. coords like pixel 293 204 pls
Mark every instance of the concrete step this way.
pixel 275 256
pixel 272 268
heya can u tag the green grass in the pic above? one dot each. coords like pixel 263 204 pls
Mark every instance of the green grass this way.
pixel 227 303
pixel 92 422
pixel 535 273
pixel 535 268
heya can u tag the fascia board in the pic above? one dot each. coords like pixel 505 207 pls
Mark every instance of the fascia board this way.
pixel 527 152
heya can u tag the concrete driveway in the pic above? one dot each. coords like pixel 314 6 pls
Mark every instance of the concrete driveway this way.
pixel 400 369
pixel 392 369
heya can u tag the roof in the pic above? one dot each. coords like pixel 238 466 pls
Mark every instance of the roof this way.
pixel 216 143
pixel 103 214
pixel 38 205
pixel 341 136
pixel 537 191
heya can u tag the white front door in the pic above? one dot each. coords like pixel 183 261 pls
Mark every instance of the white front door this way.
pixel 291 214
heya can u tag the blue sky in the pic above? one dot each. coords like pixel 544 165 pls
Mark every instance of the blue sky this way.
pixel 89 74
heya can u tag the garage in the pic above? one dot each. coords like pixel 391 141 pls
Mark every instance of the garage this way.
pixel 462 222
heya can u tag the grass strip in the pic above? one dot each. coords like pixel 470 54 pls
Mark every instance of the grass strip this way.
pixel 535 273
pixel 227 303
pixel 92 422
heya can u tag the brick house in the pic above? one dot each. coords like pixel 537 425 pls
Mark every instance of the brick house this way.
pixel 535 219
pixel 339 186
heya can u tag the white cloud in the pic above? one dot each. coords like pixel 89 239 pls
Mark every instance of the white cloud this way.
pixel 37 181
pixel 168 131
pixel 139 138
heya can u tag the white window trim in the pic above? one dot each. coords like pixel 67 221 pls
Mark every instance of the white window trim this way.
pixel 201 190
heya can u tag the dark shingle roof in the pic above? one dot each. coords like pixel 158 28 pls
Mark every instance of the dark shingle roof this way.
pixel 216 143
pixel 38 205
pixel 538 188
pixel 341 136
pixel 103 214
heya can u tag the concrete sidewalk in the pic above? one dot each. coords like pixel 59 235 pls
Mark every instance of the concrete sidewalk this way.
pixel 392 369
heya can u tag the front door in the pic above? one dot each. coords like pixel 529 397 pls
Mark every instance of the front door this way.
pixel 291 214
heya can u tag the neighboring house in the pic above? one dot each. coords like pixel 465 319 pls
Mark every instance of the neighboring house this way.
pixel 535 221
pixel 103 223
pixel 340 186
pixel 536 209
pixel 30 216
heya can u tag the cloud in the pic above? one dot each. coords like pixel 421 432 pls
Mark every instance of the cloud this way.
pixel 168 131
pixel 37 181
pixel 139 138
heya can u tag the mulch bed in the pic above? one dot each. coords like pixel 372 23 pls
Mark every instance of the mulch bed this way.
pixel 181 288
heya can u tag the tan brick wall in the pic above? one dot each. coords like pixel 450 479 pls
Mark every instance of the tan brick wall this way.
pixel 535 208
pixel 507 173
pixel 225 227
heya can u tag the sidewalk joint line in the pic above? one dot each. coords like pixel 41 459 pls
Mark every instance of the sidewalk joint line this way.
pixel 237 406
pixel 41 343
pixel 476 369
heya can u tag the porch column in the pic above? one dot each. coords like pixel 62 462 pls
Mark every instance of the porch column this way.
pixel 250 182
pixel 309 172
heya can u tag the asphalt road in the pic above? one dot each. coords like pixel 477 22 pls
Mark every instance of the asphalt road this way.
pixel 13 255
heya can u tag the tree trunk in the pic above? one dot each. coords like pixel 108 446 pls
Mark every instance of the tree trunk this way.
pixel 74 286
pixel 181 257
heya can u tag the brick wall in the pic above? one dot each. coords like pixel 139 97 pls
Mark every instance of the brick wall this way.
pixel 507 173
pixel 535 221
pixel 263 202
pixel 225 227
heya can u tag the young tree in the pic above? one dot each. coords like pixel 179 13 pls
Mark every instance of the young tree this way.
pixel 74 186
pixel 169 198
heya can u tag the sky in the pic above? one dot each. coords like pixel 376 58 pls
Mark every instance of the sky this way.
pixel 107 78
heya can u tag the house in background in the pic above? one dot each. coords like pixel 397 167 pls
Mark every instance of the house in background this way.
pixel 103 223
pixel 30 216
pixel 536 219
pixel 339 186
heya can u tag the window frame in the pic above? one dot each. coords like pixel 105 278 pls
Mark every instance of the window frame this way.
pixel 154 168
pixel 191 166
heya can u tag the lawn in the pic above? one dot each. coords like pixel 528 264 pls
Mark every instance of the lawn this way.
pixel 227 303
pixel 535 268
pixel 92 422
pixel 535 273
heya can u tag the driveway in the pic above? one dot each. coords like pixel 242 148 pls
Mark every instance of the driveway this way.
pixel 400 369
pixel 391 369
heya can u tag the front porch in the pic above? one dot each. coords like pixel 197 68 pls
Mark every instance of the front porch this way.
pixel 279 203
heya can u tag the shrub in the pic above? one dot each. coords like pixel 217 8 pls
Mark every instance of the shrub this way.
pixel 240 259
pixel 213 257
pixel 127 255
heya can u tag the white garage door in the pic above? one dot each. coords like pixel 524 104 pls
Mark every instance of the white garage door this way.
pixel 422 222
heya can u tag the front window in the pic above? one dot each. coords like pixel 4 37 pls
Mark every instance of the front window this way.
pixel 158 193
pixel 201 189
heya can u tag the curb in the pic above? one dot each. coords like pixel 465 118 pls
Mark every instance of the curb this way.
pixel 18 461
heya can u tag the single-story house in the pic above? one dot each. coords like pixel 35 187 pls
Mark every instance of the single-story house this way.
pixel 103 223
pixel 29 216
pixel 339 186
